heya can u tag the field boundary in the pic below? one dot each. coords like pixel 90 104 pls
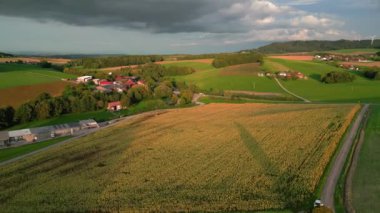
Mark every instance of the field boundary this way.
pixel 291 93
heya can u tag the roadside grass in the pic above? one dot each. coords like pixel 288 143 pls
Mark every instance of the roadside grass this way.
pixel 362 90
pixel 366 180
pixel 13 75
pixel 10 153
pixel 212 80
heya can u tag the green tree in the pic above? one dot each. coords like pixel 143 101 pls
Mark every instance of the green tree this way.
pixel 163 91
pixel 6 116
pixel 25 113
pixel 43 110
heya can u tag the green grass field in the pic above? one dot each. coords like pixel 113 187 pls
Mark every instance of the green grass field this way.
pixel 10 153
pixel 13 75
pixel 366 182
pixel 208 78
pixel 361 90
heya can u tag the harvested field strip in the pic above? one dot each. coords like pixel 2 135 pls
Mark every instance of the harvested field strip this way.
pixel 218 157
pixel 294 57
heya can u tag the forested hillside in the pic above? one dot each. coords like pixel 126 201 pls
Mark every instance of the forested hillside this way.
pixel 309 46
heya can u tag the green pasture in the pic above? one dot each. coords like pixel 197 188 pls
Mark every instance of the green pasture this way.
pixel 13 75
pixel 351 51
pixel 361 90
pixel 208 78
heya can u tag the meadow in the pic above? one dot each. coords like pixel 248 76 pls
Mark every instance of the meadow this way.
pixel 366 182
pixel 241 77
pixel 13 75
pixel 217 157
pixel 361 90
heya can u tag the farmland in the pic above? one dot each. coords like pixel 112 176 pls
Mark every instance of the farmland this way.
pixel 13 75
pixel 218 157
pixel 361 90
pixel 240 77
pixel 366 185
pixel 15 96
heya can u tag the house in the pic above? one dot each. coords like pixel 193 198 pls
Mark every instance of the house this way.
pixel 104 83
pixel 96 81
pixel 282 74
pixel 4 138
pixel 84 79
pixel 299 75
pixel 88 124
pixel 261 74
pixel 103 89
pixel 114 106
pixel 65 129
pixel 130 83
pixel 22 134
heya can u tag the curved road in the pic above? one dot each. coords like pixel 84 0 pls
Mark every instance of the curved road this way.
pixel 328 192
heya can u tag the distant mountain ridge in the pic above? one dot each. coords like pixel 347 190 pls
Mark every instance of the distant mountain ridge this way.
pixel 5 55
pixel 316 45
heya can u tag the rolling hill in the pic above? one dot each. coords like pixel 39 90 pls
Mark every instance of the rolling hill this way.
pixel 312 46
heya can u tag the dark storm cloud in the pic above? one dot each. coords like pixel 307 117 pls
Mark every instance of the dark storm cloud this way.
pixel 151 15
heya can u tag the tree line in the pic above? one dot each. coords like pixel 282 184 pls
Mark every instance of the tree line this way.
pixel 237 58
pixel 114 61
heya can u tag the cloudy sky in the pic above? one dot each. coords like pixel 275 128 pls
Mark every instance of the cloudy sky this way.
pixel 178 26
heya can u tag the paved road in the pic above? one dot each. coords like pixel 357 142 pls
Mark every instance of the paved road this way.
pixel 287 91
pixel 332 179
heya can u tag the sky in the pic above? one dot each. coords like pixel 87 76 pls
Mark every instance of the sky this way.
pixel 177 26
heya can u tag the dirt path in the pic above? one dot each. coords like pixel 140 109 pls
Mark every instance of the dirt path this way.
pixel 287 91
pixel 327 196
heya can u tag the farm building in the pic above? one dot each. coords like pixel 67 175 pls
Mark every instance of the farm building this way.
pixel 261 74
pixel 84 79
pixel 4 138
pixel 22 134
pixel 114 106
pixel 105 83
pixel 88 124
pixel 65 129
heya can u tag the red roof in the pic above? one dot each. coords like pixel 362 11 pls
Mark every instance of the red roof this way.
pixel 102 83
pixel 114 104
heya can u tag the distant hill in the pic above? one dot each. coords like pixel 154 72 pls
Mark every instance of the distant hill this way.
pixel 309 46
pixel 5 55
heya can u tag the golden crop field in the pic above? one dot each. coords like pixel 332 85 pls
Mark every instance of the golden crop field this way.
pixel 218 157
